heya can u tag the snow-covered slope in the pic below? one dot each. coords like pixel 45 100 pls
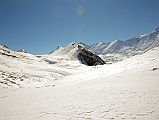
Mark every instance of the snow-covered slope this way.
pixel 124 90
pixel 68 52
pixel 133 46
pixel 19 69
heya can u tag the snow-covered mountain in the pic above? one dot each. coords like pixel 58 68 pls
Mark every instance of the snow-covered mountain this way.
pixel 132 46
pixel 78 51
pixel 57 86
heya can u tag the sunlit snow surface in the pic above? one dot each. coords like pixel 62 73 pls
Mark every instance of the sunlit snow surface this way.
pixel 67 90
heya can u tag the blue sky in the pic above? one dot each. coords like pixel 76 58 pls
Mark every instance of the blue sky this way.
pixel 39 26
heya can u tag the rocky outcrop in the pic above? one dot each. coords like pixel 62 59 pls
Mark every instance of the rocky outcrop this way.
pixel 88 58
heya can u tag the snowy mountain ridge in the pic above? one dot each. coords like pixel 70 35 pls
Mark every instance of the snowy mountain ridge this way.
pixel 130 47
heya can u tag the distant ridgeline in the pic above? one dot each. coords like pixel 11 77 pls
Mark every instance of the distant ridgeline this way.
pixel 130 47
pixel 98 54
pixel 101 53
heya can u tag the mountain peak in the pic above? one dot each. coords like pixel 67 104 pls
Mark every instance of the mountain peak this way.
pixel 22 50
pixel 157 28
pixel 3 45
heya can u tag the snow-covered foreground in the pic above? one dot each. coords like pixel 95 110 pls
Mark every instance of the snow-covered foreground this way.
pixel 124 90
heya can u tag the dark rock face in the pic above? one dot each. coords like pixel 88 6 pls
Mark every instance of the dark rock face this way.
pixel 88 58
